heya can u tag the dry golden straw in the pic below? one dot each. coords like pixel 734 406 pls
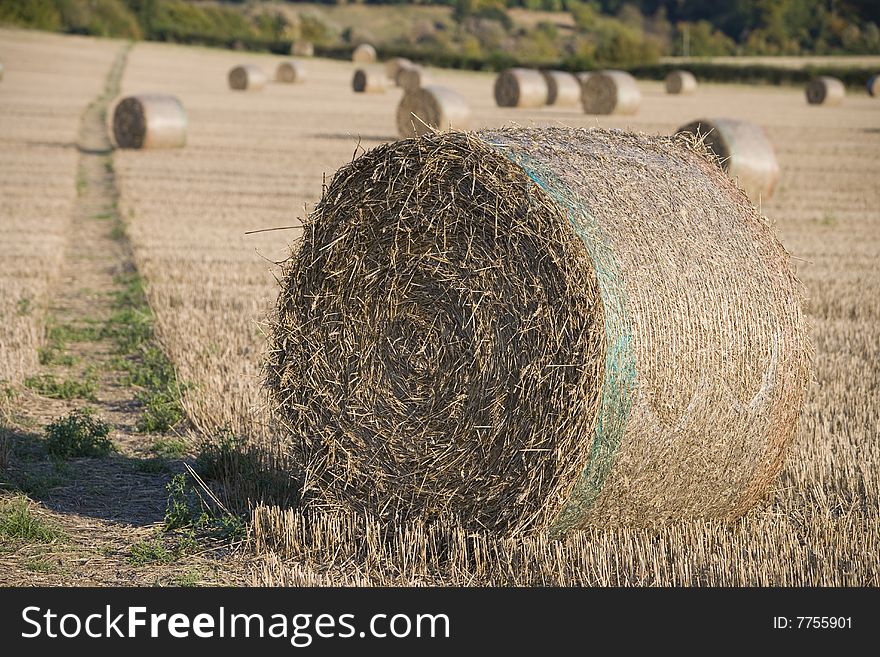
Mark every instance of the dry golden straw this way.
pixel 825 90
pixel 610 92
pixel 368 81
pixel 743 151
pixel 290 72
pixel 535 329
pixel 247 78
pixel 563 89
pixel 431 108
pixel 149 121
pixel 393 66
pixel 410 78
pixel 364 54
pixel 681 82
pixel 520 87
pixel 303 49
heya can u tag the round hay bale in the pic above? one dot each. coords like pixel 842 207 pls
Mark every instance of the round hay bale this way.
pixel 742 150
pixel 520 87
pixel 611 92
pixel 368 81
pixel 290 72
pixel 563 89
pixel 440 108
pixel 538 328
pixel 149 121
pixel 393 66
pixel 825 90
pixel 303 49
pixel 364 54
pixel 247 78
pixel 681 82
pixel 873 84
pixel 410 78
pixel 583 76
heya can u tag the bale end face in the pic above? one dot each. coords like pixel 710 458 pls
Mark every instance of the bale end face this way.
pixel 610 92
pixel 520 87
pixel 825 90
pixel 681 82
pixel 149 121
pixel 290 73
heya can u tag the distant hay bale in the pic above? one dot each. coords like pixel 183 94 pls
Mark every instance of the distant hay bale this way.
pixel 611 92
pixel 873 83
pixel 368 81
pixel 825 90
pixel 247 78
pixel 410 78
pixel 290 72
pixel 149 121
pixel 303 49
pixel 440 108
pixel 538 328
pixel 364 54
pixel 521 87
pixel 743 151
pixel 681 82
pixel 393 66
pixel 563 89
pixel 583 76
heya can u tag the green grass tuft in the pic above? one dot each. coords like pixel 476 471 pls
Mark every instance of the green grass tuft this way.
pixel 79 434
pixel 18 522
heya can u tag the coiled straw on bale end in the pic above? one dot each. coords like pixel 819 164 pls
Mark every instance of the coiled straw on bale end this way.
pixel 364 54
pixel 520 87
pixel 290 72
pixel 681 82
pixel 247 78
pixel 742 150
pixel 825 90
pixel 368 81
pixel 410 78
pixel 432 107
pixel 303 49
pixel 563 89
pixel 149 121
pixel 393 66
pixel 535 329
pixel 611 92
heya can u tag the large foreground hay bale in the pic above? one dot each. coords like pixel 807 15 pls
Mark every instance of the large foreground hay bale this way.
pixel 611 92
pixel 410 78
pixel 368 81
pixel 303 49
pixel 743 151
pixel 825 90
pixel 538 328
pixel 681 82
pixel 247 78
pixel 290 72
pixel 440 108
pixel 364 54
pixel 520 87
pixel 393 66
pixel 873 83
pixel 563 89
pixel 149 121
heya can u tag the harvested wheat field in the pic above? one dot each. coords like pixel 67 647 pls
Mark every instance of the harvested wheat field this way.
pixel 260 161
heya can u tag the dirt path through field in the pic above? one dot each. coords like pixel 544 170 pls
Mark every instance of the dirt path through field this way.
pixel 104 514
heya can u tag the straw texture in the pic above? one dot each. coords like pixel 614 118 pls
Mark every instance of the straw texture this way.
pixel 825 90
pixel 520 87
pixel 681 82
pixel 364 54
pixel 368 81
pixel 290 72
pixel 563 89
pixel 537 329
pixel 439 107
pixel 611 92
pixel 247 78
pixel 743 151
pixel 149 121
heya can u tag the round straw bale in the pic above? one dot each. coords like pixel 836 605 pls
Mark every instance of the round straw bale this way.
pixel 410 78
pixel 303 49
pixel 611 92
pixel 368 81
pixel 583 76
pixel 247 78
pixel 563 89
pixel 290 71
pixel 393 66
pixel 681 82
pixel 440 108
pixel 825 90
pixel 149 121
pixel 538 328
pixel 364 54
pixel 873 83
pixel 521 87
pixel 742 150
